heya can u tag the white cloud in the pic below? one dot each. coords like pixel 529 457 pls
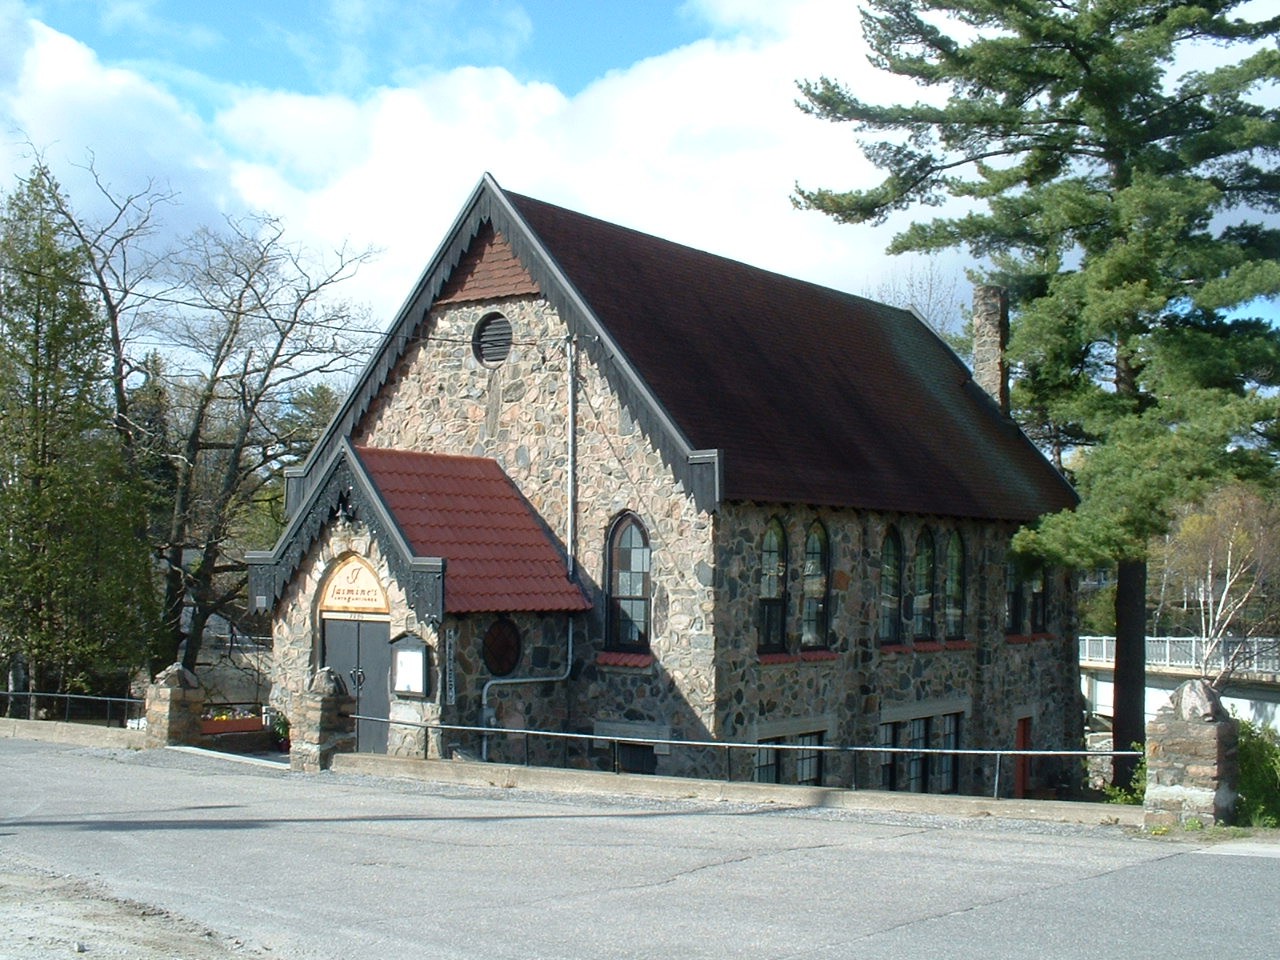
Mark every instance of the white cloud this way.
pixel 702 145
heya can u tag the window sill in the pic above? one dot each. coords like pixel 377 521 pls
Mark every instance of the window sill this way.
pixel 769 659
pixel 959 645
pixel 818 655
pixel 896 648
pixel 619 658
pixel 1015 639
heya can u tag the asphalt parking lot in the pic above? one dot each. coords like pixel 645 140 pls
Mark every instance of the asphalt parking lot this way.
pixel 253 861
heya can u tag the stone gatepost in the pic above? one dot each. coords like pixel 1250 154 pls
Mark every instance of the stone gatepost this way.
pixel 324 725
pixel 1192 761
pixel 175 702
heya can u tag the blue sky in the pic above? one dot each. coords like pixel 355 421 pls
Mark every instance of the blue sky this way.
pixel 347 48
pixel 366 123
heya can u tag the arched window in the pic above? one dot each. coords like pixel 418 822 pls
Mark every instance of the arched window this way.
pixel 953 588
pixel 816 564
pixel 923 580
pixel 890 628
pixel 629 585
pixel 773 588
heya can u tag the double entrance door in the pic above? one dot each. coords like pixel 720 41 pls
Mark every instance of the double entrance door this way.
pixel 359 651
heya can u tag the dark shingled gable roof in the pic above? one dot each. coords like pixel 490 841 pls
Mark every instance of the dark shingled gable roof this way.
pixel 498 556
pixel 813 395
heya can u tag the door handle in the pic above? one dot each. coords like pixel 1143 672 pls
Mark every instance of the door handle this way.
pixel 357 679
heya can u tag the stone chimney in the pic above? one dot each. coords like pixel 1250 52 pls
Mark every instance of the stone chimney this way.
pixel 990 337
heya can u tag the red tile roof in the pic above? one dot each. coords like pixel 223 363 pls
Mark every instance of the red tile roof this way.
pixel 498 556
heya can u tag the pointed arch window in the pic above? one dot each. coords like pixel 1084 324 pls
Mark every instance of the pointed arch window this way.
pixel 890 622
pixel 817 561
pixel 953 588
pixel 630 588
pixel 773 588
pixel 923 587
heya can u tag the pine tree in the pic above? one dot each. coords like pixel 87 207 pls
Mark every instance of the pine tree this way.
pixel 76 584
pixel 1122 201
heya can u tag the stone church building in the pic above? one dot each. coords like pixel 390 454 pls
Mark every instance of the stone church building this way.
pixel 596 482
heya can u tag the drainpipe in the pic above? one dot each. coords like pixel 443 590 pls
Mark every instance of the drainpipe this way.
pixel 571 548
pixel 489 719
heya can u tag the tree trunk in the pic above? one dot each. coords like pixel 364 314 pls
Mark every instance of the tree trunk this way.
pixel 1130 691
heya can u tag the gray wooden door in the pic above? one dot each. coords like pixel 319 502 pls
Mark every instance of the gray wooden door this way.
pixel 359 651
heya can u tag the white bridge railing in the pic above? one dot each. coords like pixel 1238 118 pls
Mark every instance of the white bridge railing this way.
pixel 1248 655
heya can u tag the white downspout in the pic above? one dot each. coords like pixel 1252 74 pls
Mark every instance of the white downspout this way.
pixel 571 548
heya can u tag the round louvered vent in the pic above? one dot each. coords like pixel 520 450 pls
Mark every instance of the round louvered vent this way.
pixel 491 341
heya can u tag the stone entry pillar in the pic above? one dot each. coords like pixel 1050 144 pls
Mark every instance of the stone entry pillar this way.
pixel 175 702
pixel 325 726
pixel 1192 760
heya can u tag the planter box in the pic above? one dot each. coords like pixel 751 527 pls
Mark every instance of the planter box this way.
pixel 233 725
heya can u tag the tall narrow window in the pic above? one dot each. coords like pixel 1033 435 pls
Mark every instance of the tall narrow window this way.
pixel 809 762
pixel 816 560
pixel 954 589
pixel 1039 600
pixel 949 763
pixel 924 573
pixel 890 627
pixel 629 587
pixel 917 780
pixel 890 735
pixel 773 588
pixel 1013 603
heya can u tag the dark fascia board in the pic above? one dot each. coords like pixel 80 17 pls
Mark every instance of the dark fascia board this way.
pixel 343 474
pixel 394 342
pixel 488 202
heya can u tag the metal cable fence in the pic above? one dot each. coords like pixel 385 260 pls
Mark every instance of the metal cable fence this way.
pixel 72 708
pixel 615 745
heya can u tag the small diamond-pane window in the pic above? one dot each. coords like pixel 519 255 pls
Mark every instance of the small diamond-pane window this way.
pixel 491 341
pixel 501 647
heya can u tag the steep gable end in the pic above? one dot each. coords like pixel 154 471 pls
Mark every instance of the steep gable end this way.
pixel 487 271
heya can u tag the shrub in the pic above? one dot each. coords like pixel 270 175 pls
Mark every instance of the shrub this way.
pixel 1258 803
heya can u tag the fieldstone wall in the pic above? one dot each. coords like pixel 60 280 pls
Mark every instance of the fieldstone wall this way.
pixel 324 724
pixel 441 398
pixel 297 632
pixel 1192 760
pixel 850 689
pixel 174 703
pixel 705 678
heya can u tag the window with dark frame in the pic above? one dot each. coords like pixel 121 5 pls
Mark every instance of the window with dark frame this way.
pixel 917 765
pixel 809 762
pixel 948 765
pixel 768 769
pixel 954 588
pixel 888 760
pixel 773 588
pixel 1014 606
pixel 923 586
pixel 1039 600
pixel 890 625
pixel 629 585
pixel 816 579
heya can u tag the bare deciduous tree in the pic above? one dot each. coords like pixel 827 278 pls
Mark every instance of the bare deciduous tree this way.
pixel 1219 574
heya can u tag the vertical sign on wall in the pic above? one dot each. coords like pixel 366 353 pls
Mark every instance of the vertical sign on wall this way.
pixel 450 680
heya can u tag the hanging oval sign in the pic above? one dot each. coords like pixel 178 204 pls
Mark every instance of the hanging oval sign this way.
pixel 354 587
